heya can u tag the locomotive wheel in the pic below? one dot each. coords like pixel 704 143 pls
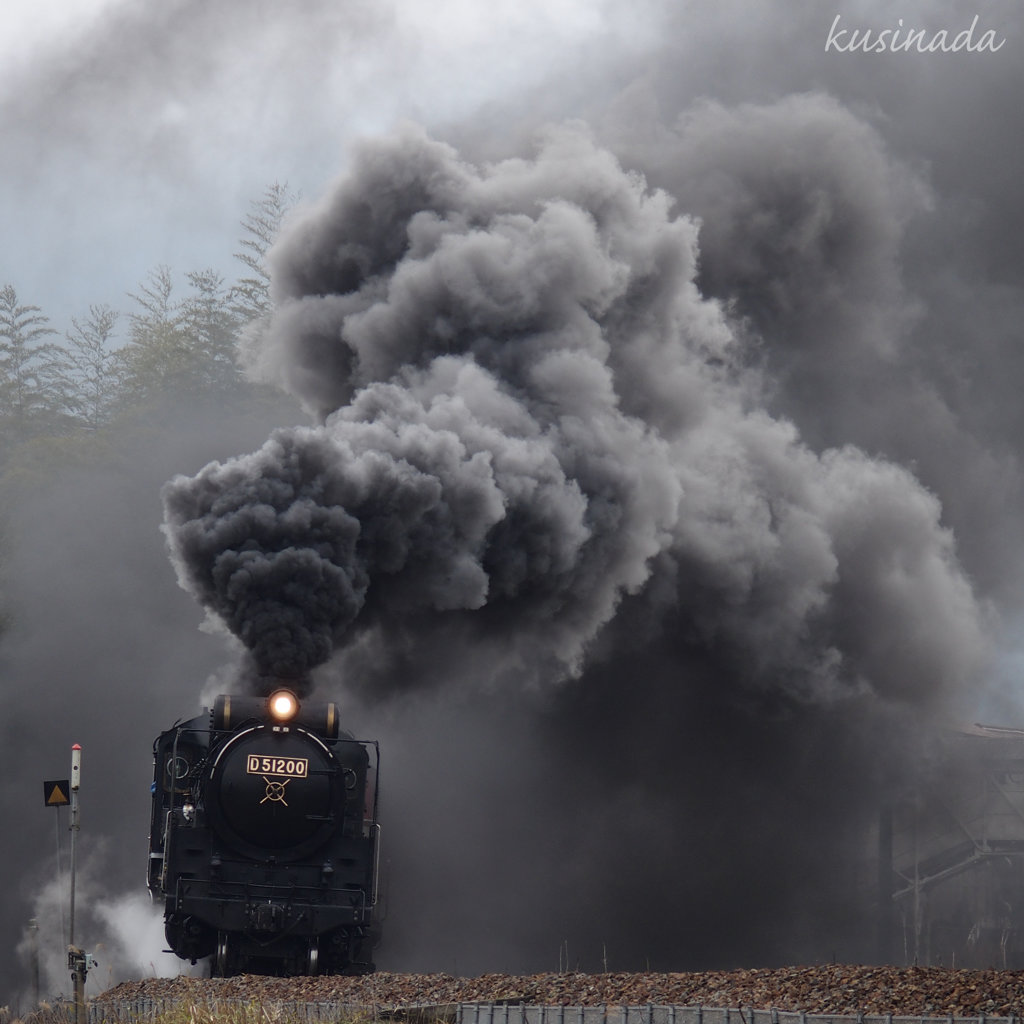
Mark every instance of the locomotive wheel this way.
pixel 313 958
pixel 221 956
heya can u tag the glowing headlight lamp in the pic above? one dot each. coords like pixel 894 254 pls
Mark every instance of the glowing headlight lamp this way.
pixel 283 705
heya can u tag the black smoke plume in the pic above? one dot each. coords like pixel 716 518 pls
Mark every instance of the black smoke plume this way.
pixel 528 413
pixel 552 458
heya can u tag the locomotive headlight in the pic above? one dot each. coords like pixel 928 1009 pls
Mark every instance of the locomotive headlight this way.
pixel 283 705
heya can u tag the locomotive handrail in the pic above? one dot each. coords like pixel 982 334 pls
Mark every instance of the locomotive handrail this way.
pixel 376 864
pixel 199 889
pixel 169 819
pixel 167 842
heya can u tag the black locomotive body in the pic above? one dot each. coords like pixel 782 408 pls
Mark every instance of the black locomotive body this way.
pixel 264 838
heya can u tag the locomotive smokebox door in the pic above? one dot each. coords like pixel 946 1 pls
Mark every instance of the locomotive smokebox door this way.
pixel 274 794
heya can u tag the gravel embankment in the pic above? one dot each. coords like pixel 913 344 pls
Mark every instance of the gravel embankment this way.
pixel 911 991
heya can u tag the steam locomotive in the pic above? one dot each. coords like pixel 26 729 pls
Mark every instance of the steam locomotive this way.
pixel 264 839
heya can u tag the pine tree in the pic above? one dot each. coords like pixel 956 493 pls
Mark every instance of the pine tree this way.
pixel 212 326
pixel 156 360
pixel 180 348
pixel 250 296
pixel 31 393
pixel 89 368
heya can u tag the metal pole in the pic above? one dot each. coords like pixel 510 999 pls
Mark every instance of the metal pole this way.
pixel 77 960
pixel 76 777
pixel 33 931
pixel 60 867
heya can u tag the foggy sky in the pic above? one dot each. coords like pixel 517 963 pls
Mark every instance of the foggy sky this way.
pixel 841 239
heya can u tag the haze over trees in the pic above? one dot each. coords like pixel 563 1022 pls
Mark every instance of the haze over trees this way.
pixel 66 397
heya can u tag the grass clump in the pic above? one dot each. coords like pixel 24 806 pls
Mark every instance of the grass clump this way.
pixel 58 1012
pixel 249 1013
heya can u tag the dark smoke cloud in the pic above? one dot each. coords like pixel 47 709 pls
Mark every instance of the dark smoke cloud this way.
pixel 856 277
pixel 717 599
pixel 530 411
pixel 803 213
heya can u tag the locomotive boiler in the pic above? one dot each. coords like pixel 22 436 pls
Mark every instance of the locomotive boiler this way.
pixel 264 839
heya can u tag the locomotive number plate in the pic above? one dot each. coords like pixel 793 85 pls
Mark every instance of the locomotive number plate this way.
pixel 291 767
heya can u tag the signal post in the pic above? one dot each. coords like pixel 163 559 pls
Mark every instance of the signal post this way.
pixel 79 961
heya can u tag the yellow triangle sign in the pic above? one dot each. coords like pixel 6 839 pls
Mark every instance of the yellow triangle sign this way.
pixel 56 793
